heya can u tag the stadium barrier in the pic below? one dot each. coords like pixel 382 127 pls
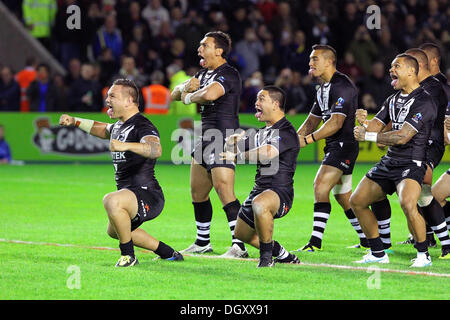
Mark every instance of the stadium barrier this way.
pixel 37 137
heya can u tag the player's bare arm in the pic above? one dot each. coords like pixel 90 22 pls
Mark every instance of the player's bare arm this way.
pixel 205 95
pixel 262 154
pixel 190 85
pixel 390 138
pixel 447 131
pixel 148 147
pixel 95 128
pixel 307 127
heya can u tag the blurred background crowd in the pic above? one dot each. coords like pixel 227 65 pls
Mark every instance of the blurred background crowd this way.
pixel 154 43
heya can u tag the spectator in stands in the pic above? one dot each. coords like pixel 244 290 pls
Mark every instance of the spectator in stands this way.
pixel 109 67
pixel 9 91
pixel 39 16
pixel 153 61
pixel 156 95
pixel 239 22
pixel 363 49
pixel 321 33
pixel 346 26
pixel 296 99
pixel 132 19
pixel 5 151
pixel 67 41
pixel 389 49
pixel 62 102
pixel 269 62
pixel 283 19
pixel 349 67
pixel 176 18
pixel 378 84
pixel 24 78
pixel 155 14
pixel 251 49
pixel 74 71
pixel 109 36
pixel 369 103
pixel 129 71
pixel 249 92
pixel 176 76
pixel 298 58
pixel 85 93
pixel 42 92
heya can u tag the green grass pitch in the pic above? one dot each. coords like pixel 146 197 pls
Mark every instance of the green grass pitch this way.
pixel 62 204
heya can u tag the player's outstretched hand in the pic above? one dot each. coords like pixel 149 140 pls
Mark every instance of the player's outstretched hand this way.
pixel 361 116
pixel 66 120
pixel 192 85
pixel 360 133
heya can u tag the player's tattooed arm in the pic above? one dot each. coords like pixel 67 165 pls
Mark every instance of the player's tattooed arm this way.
pixel 397 137
pixel 149 147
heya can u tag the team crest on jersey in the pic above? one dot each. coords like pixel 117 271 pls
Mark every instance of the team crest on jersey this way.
pixel 340 102
pixel 221 78
pixel 405 173
pixel 417 117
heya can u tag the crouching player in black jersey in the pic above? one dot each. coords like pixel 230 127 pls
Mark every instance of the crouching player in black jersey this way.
pixel 412 112
pixel 275 149
pixel 134 146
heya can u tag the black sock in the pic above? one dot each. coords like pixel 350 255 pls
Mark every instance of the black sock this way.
pixel 321 214
pixel 127 249
pixel 434 217
pixel 382 212
pixel 279 251
pixel 265 250
pixel 376 247
pixel 203 217
pixel 164 251
pixel 231 210
pixel 355 224
pixel 421 247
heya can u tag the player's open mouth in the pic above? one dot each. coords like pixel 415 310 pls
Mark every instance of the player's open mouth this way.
pixel 202 61
pixel 258 113
pixel 394 80
pixel 110 111
pixel 311 71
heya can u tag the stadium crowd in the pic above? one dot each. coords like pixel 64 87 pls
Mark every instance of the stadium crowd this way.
pixel 154 43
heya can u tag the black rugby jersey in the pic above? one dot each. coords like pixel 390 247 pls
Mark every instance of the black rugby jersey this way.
pixel 419 111
pixel 437 93
pixel 222 113
pixel 132 169
pixel 339 96
pixel 283 136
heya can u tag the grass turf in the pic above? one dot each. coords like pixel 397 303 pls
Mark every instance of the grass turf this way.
pixel 62 204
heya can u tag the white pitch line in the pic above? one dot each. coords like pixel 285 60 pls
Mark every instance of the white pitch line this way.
pixel 321 265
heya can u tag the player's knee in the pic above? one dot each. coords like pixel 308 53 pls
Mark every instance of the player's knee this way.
pixel 425 196
pixel 356 202
pixel 112 233
pixel 258 208
pixel 321 191
pixel 110 201
pixel 408 204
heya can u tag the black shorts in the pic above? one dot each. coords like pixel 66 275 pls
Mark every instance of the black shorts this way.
pixel 341 157
pixel 150 204
pixel 246 211
pixel 388 173
pixel 435 153
pixel 208 157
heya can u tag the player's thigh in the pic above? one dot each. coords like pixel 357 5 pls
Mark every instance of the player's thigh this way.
pixel 327 177
pixel 441 189
pixel 201 182
pixel 408 191
pixel 366 193
pixel 223 181
pixel 267 200
pixel 122 199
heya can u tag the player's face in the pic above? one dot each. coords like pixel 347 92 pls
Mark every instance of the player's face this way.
pixel 115 102
pixel 316 63
pixel 399 73
pixel 207 52
pixel 264 106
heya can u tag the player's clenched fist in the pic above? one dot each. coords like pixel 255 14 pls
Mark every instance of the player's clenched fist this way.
pixel 116 145
pixel 192 85
pixel 361 116
pixel 231 141
pixel 360 133
pixel 66 120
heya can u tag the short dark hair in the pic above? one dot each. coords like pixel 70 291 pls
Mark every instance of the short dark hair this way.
pixel 411 61
pixel 130 87
pixel 420 55
pixel 277 94
pixel 221 40
pixel 43 65
pixel 328 49
pixel 433 49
